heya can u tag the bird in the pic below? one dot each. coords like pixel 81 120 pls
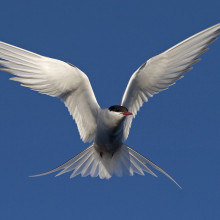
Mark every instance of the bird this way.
pixel 106 129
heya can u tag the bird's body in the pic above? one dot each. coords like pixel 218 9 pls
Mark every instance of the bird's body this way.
pixel 107 129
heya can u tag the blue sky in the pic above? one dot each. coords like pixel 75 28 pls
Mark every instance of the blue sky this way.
pixel 177 129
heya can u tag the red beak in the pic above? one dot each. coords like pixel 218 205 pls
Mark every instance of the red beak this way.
pixel 127 113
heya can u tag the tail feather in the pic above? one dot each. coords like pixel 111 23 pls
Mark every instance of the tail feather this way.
pixel 77 165
pixel 125 160
pixel 147 161
pixel 140 163
pixel 66 164
pixel 87 168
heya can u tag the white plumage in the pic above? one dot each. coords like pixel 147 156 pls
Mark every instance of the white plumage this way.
pixel 107 155
pixel 163 70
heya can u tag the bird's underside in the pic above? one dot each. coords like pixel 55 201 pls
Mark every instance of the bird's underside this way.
pixel 108 128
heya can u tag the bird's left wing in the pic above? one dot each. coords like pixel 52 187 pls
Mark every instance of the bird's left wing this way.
pixel 55 78
pixel 163 70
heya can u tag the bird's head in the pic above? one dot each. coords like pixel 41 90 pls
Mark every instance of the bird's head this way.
pixel 113 116
pixel 119 111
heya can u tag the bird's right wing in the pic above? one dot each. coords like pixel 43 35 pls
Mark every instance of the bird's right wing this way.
pixel 163 70
pixel 55 78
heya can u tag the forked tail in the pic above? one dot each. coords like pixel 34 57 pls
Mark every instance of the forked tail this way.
pixel 91 162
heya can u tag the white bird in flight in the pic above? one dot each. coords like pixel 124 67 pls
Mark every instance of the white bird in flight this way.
pixel 107 128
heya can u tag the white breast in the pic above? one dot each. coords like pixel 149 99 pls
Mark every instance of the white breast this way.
pixel 109 131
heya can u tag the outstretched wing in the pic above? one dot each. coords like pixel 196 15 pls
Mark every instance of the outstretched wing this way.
pixel 55 78
pixel 163 70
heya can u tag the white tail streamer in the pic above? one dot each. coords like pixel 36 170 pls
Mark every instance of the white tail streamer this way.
pixel 125 160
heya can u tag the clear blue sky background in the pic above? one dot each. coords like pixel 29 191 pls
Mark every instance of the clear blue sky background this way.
pixel 177 129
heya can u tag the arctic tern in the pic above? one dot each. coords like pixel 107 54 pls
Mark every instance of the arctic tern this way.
pixel 107 128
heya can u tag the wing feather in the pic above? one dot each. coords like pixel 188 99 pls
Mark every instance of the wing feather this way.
pixel 163 70
pixel 55 78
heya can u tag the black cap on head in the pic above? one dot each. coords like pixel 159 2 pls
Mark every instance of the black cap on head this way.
pixel 118 108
